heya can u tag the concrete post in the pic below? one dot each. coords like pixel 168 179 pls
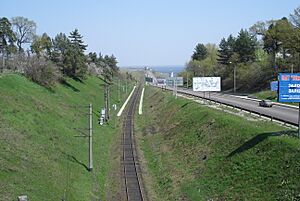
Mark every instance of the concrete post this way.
pixel 90 137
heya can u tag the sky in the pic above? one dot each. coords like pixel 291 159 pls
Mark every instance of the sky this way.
pixel 147 33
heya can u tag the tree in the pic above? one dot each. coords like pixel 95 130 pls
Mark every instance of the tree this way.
pixel 278 39
pixel 212 52
pixel 92 56
pixel 60 45
pixel 94 64
pixel 194 66
pixel 68 53
pixel 226 50
pixel 76 40
pixel 204 60
pixel 112 62
pixel 293 45
pixel 208 66
pixel 42 46
pixel 107 72
pixel 200 52
pixel 271 40
pixel 73 56
pixel 260 28
pixel 74 63
pixel 7 36
pixel 7 39
pixel 110 67
pixel 245 46
pixel 295 17
pixel 294 42
pixel 24 30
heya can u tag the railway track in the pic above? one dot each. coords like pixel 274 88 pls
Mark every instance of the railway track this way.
pixel 133 185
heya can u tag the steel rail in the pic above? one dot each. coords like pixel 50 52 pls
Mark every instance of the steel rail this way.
pixel 130 161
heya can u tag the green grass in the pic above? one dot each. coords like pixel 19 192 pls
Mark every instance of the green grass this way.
pixel 270 95
pixel 39 153
pixel 198 153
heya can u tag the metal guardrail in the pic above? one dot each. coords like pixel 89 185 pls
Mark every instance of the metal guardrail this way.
pixel 275 103
pixel 237 107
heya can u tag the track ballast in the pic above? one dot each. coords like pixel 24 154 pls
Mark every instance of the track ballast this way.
pixel 132 181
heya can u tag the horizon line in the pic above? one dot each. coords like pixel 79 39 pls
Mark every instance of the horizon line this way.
pixel 150 66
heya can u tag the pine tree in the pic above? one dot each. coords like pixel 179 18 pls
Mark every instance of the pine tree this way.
pixel 226 50
pixel 295 17
pixel 61 44
pixel 245 46
pixel 200 52
pixel 7 36
pixel 75 59
pixel 76 40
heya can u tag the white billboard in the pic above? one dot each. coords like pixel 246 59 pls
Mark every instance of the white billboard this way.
pixel 206 84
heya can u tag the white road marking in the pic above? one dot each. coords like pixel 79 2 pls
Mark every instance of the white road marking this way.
pixel 141 102
pixel 125 103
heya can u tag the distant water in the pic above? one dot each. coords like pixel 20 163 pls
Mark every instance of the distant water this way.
pixel 162 69
pixel 168 69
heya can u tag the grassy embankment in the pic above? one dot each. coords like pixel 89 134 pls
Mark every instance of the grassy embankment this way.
pixel 39 155
pixel 270 95
pixel 197 153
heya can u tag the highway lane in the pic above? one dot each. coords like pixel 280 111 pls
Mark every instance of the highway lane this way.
pixel 149 73
pixel 285 114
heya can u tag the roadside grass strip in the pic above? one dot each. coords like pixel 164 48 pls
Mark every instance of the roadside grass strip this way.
pixel 141 102
pixel 194 152
pixel 125 103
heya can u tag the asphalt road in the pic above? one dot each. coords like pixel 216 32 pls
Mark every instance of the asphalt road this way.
pixel 283 113
pixel 150 74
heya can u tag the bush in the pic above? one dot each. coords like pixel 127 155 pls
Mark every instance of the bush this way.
pixel 16 63
pixel 93 69
pixel 42 71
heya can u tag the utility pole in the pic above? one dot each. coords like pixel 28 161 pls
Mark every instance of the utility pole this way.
pixel 299 121
pixel 234 81
pixel 119 90
pixel 3 63
pixel 175 87
pixel 104 96
pixel 90 137
pixel 187 80
pixel 108 103
pixel 234 76
pixel 105 102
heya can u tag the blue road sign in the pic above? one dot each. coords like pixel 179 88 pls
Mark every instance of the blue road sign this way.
pixel 274 85
pixel 289 87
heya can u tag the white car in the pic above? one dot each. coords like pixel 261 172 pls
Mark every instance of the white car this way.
pixel 265 103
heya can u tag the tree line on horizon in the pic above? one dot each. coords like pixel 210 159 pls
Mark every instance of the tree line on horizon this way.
pixel 48 60
pixel 257 54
